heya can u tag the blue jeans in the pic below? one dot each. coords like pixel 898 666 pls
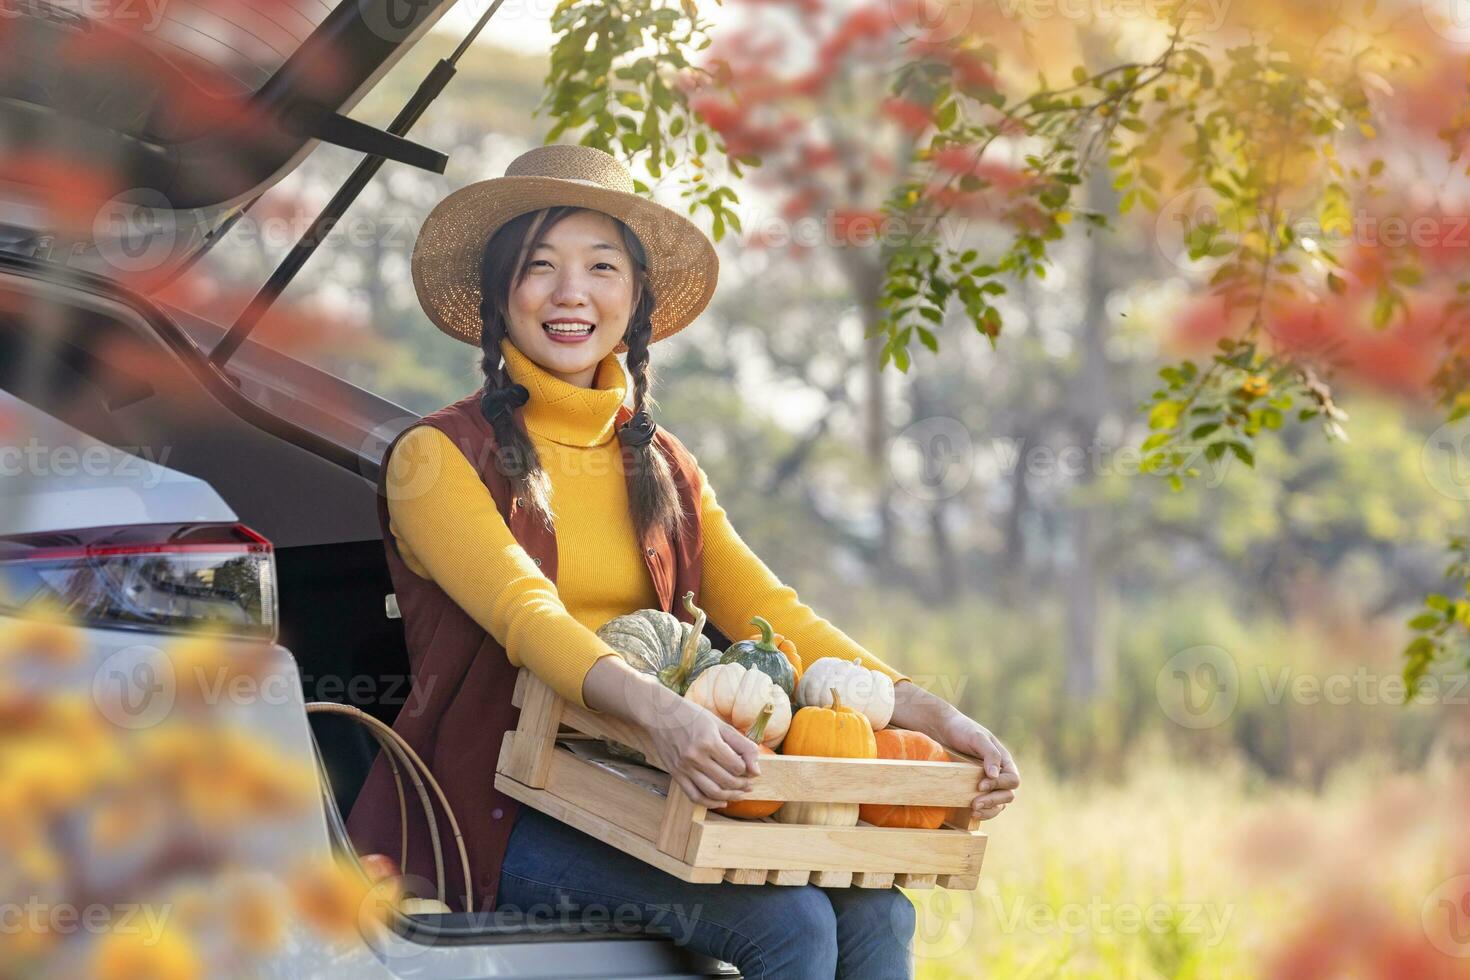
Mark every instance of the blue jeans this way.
pixel 770 932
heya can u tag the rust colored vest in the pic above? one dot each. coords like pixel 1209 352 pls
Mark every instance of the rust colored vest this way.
pixel 456 723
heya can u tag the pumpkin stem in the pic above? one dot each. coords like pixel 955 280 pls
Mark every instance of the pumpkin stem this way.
pixel 837 704
pixel 691 642
pixel 767 641
pixel 757 729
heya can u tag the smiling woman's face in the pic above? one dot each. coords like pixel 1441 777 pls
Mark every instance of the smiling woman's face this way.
pixel 572 306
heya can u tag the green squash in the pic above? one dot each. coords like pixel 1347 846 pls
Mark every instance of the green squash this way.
pixel 764 656
pixel 654 642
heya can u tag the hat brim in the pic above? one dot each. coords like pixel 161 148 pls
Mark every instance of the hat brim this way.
pixel 683 266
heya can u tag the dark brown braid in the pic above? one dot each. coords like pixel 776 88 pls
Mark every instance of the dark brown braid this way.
pixel 653 495
pixel 655 498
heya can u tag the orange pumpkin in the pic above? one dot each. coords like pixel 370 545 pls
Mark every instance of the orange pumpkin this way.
pixel 900 743
pixel 754 809
pixel 836 732
pixel 786 647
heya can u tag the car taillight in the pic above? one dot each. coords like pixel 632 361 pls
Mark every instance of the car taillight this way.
pixel 169 577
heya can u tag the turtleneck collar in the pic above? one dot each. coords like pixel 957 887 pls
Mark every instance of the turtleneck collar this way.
pixel 566 413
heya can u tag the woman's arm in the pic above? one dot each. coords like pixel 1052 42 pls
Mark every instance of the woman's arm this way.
pixel 736 585
pixel 448 528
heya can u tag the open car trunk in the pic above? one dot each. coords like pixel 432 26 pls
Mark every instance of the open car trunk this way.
pixel 178 116
pixel 301 473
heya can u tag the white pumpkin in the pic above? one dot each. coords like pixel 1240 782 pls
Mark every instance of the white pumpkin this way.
pixel 826 814
pixel 737 694
pixel 860 688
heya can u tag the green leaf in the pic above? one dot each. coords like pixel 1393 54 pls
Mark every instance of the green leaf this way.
pixel 1383 306
pixel 1165 415
pixel 1156 440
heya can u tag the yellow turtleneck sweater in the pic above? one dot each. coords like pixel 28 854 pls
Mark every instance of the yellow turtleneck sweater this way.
pixel 448 529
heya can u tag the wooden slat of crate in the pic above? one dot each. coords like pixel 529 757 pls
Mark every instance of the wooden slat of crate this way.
pixel 809 778
pixel 872 879
pixel 571 775
pixel 960 883
pixel 541 716
pixel 606 726
pixel 776 846
pixel 746 876
pixel 679 829
pixel 915 881
pixel 815 779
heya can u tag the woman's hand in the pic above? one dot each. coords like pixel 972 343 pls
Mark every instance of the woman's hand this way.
pixel 916 709
pixel 998 785
pixel 709 759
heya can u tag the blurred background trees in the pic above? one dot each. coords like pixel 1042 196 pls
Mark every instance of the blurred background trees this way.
pixel 1167 666
pixel 980 518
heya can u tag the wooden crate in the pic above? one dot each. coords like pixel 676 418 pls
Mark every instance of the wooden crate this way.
pixel 687 841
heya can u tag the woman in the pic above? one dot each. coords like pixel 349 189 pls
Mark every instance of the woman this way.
pixel 551 271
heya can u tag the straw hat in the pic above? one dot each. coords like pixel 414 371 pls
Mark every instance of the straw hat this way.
pixel 683 265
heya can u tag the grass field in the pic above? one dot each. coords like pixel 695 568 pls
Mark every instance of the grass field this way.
pixel 1184 871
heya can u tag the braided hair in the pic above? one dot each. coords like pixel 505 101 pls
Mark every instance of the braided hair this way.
pixel 653 495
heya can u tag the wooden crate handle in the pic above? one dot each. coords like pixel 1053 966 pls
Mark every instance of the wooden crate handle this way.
pixel 529 759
